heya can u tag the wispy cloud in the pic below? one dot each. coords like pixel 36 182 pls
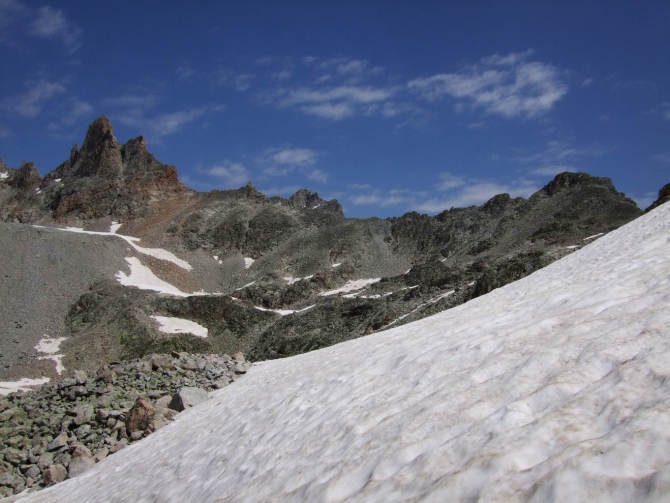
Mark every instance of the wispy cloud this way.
pixel 334 103
pixel 663 157
pixel 78 110
pixel 318 175
pixel 283 161
pixel 141 101
pixel 52 24
pixel 30 103
pixel 229 174
pixel 477 192
pixel 10 12
pixel 553 170
pixel 509 86
pixel 238 81
pixel 292 156
pixel 184 71
pixel 4 132
pixel 449 181
pixel 359 186
pixel 557 152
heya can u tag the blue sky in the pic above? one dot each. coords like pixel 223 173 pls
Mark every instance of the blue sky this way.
pixel 387 106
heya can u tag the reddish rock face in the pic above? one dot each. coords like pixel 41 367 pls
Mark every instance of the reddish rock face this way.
pixel 140 416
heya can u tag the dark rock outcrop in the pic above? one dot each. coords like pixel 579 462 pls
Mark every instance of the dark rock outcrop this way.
pixel 663 197
pixel 311 200
pixel 26 177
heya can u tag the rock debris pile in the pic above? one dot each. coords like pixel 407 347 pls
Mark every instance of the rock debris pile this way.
pixel 64 428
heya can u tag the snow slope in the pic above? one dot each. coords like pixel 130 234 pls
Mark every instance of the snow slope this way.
pixel 553 388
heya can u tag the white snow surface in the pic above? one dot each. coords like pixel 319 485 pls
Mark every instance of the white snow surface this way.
pixel 553 388
pixel 594 236
pixel 143 278
pixel 50 347
pixel 170 325
pixel 4 176
pixel 114 227
pixel 24 384
pixel 351 285
pixel 285 312
pixel 158 253
pixel 247 262
pixel 290 279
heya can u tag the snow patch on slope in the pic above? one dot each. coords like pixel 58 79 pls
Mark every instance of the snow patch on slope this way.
pixel 170 325
pixel 247 262
pixel 552 388
pixel 143 278
pixel 24 384
pixel 158 253
pixel 50 347
pixel 284 312
pixel 351 285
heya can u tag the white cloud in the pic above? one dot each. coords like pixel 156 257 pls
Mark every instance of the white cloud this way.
pixel 477 125
pixel 556 152
pixel 663 157
pixel 359 186
pixel 504 85
pixel 239 81
pixel 449 181
pixel 364 199
pixel 477 193
pixel 78 110
pixel 334 103
pixel 277 171
pixel 282 75
pixel 587 82
pixel 308 60
pixel 553 170
pixel 292 156
pixel 135 101
pixel 30 104
pixel 161 125
pixel 332 111
pixel 232 175
pixel 354 66
pixel 10 11
pixel 318 175
pixel 184 71
pixel 51 23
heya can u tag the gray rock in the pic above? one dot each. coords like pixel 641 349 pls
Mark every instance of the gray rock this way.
pixel 33 472
pixel 58 442
pixel 55 474
pixel 118 446
pixel 10 480
pixel 45 460
pixel 79 465
pixel 100 454
pixel 187 397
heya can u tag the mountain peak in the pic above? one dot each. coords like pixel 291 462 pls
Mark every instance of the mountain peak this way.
pixel 569 179
pixel 305 198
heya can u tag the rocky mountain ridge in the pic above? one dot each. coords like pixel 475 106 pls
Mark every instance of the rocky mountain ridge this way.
pixel 292 275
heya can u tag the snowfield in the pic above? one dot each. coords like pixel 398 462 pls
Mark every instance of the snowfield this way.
pixel 553 388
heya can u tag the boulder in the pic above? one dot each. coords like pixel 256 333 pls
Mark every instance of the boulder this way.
pixel 140 416
pixel 55 474
pixel 187 397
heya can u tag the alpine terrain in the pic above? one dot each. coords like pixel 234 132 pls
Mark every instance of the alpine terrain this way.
pixel 505 352
pixel 551 388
